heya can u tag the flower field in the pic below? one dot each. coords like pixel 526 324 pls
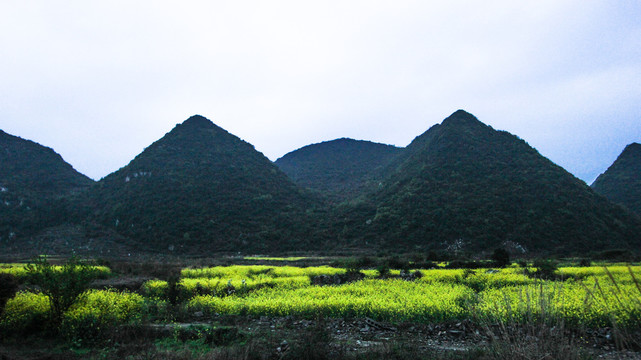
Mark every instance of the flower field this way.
pixel 20 271
pixel 582 296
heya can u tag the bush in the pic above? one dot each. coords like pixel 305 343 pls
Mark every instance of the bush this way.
pixel 585 263
pixel 61 284
pixel 462 264
pixel 8 288
pixel 614 255
pixel 501 257
pixel 425 265
pixel 97 311
pixel 545 269
pixel 25 313
pixel 383 271
pixel 397 263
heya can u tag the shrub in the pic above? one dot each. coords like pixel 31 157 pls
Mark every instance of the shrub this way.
pixel 462 264
pixel 501 257
pixel 585 263
pixel 397 263
pixel 97 311
pixel 8 288
pixel 383 271
pixel 62 285
pixel 545 269
pixel 25 313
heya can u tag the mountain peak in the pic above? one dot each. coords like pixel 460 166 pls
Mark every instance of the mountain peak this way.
pixel 198 121
pixel 461 117
pixel 341 169
pixel 203 188
pixel 632 149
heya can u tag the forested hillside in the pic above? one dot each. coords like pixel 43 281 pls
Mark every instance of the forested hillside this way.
pixel 200 188
pixel 621 183
pixel 340 169
pixel 465 186
pixel 34 184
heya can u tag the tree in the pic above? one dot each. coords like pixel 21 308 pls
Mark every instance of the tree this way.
pixel 8 287
pixel 61 284
pixel 501 257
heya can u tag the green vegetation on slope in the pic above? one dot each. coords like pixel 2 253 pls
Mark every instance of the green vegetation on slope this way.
pixel 341 169
pixel 621 183
pixel 200 188
pixel 460 186
pixel 34 183
pixel 465 186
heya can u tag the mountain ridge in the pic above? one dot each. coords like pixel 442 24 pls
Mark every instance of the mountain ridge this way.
pixel 201 188
pixel 621 182
pixel 35 182
pixel 340 169
pixel 462 181
pixel 460 186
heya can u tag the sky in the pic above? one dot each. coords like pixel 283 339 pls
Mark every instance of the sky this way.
pixel 98 81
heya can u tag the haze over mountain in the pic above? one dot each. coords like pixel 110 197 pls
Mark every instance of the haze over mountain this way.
pixel 340 169
pixel 621 183
pixel 462 184
pixel 200 188
pixel 34 181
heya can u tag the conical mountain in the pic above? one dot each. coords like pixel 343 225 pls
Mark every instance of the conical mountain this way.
pixel 621 183
pixel 34 181
pixel 340 169
pixel 463 185
pixel 200 188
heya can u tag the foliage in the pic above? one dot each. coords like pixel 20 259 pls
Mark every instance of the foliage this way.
pixel 255 271
pixel 8 287
pixel 61 285
pixel 575 303
pixel 267 258
pixel 501 257
pixel 200 188
pixel 98 310
pixel 25 312
pixel 19 270
pixel 459 188
pixel 592 296
pixel 35 180
pixel 340 169
pixel 464 187
pixel 576 297
pixel 621 183
pixel 391 300
pixel 94 312
pixel 545 269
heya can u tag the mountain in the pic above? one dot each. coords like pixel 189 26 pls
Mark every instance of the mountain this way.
pixel 200 188
pixel 621 183
pixel 34 184
pixel 464 185
pixel 340 169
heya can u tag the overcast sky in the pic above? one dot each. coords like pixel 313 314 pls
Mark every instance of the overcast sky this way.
pixel 98 81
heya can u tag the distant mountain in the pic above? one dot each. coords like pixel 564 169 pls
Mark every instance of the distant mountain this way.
pixel 460 186
pixel 200 188
pixel 340 169
pixel 621 183
pixel 34 184
pixel 464 185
